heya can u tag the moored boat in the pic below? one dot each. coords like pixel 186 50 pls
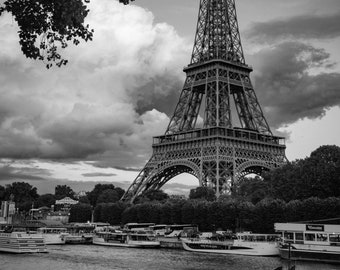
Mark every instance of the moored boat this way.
pixel 53 236
pixel 240 244
pixel 80 233
pixel 21 242
pixel 141 239
pixel 310 242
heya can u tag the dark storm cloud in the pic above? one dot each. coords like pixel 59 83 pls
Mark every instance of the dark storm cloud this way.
pixel 98 174
pixel 8 173
pixel 160 93
pixel 287 90
pixel 309 26
pixel 128 169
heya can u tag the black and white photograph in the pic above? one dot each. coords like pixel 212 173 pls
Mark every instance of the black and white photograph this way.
pixel 170 134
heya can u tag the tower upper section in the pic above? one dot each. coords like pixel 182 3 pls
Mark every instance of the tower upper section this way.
pixel 217 34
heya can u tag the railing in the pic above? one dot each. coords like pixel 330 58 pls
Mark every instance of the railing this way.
pixel 240 134
pixel 213 61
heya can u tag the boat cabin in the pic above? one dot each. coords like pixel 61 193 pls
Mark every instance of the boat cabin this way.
pixel 48 230
pixel 321 234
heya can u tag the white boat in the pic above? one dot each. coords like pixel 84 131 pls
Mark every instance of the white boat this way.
pixel 53 236
pixel 80 233
pixel 21 242
pixel 310 242
pixel 141 239
pixel 241 244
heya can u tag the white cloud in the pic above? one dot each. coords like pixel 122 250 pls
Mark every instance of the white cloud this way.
pixel 89 109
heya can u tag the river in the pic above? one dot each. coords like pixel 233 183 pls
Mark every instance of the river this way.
pixel 92 257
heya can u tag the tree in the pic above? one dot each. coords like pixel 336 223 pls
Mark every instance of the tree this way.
pixel 62 191
pixel 45 200
pixel 108 196
pixel 84 199
pixel 315 176
pixel 266 213
pixel 24 194
pixel 99 188
pixel 80 213
pixel 2 193
pixel 152 195
pixel 112 212
pixel 202 193
pixel 46 26
pixel 119 191
pixel 252 189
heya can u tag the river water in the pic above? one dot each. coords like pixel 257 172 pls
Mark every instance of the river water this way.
pixel 93 257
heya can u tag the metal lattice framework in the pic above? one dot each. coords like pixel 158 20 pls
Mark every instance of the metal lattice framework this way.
pixel 218 153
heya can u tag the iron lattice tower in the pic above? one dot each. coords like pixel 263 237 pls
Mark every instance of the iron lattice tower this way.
pixel 217 92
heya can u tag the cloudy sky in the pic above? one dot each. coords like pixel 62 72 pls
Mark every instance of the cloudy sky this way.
pixel 93 120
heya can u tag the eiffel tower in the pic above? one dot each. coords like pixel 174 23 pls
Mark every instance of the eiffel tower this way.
pixel 218 132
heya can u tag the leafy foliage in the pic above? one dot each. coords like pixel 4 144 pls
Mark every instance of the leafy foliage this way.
pixel 315 176
pixel 252 189
pixel 62 191
pixel 95 196
pixel 80 213
pixel 84 199
pixel 202 193
pixel 45 26
pixel 23 193
pixel 45 200
pixel 224 215
pixel 152 195
pixel 108 196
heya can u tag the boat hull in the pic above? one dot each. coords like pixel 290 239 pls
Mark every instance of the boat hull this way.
pixel 232 247
pixel 54 239
pixel 79 239
pixel 21 243
pixel 310 255
pixel 128 243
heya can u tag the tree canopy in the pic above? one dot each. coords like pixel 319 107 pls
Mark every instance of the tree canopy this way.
pixel 152 195
pixel 97 195
pixel 62 191
pixel 202 193
pixel 22 193
pixel 315 176
pixel 45 200
pixel 46 26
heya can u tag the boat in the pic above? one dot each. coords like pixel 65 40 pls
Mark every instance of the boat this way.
pixel 309 242
pixel 21 242
pixel 53 236
pixel 80 233
pixel 116 238
pixel 79 238
pixel 239 244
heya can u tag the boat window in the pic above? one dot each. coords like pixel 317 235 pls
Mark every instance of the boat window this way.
pixel 289 237
pixel 310 236
pixel 299 238
pixel 335 238
pixel 261 238
pixel 321 237
pixel 272 238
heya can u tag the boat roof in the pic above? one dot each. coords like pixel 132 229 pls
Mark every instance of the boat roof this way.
pixel 305 227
